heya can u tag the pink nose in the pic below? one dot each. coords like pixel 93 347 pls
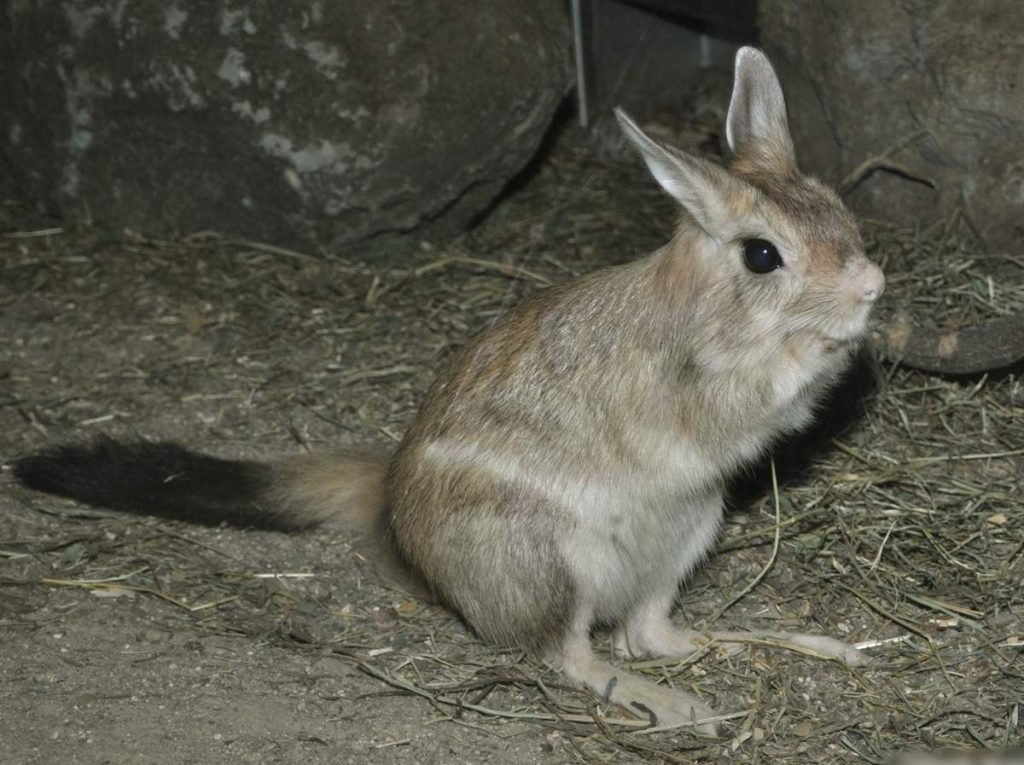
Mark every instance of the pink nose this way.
pixel 871 283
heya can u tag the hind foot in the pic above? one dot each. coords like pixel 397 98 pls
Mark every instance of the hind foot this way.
pixel 667 708
pixel 668 640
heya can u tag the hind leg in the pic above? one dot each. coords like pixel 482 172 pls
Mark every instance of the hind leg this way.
pixel 669 707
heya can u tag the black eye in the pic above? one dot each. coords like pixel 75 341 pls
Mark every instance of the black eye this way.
pixel 760 256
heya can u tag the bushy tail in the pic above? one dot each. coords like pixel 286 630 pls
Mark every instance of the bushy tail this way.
pixel 167 480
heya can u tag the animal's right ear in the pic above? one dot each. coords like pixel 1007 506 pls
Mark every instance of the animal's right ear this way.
pixel 701 187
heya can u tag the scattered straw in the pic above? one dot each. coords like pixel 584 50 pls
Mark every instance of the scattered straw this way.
pixel 897 527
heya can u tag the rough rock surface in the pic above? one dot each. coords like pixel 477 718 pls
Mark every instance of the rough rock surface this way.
pixel 860 75
pixel 292 121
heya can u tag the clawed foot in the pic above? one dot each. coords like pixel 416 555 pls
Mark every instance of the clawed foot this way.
pixel 667 708
pixel 682 643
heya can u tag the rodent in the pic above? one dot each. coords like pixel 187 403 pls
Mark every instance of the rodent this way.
pixel 566 469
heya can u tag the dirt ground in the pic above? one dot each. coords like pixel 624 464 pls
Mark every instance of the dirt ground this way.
pixel 128 640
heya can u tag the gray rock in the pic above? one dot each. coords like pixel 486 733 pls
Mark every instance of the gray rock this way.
pixel 862 74
pixel 312 121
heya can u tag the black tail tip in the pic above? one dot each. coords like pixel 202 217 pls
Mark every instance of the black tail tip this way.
pixel 50 469
pixel 152 478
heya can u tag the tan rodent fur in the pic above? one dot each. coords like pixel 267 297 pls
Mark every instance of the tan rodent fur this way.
pixel 567 468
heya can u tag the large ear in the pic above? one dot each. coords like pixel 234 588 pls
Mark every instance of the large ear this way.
pixel 757 127
pixel 701 187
